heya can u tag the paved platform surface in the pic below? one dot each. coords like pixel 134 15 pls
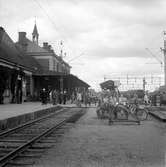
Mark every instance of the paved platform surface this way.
pixel 158 112
pixel 12 110
pixel 12 115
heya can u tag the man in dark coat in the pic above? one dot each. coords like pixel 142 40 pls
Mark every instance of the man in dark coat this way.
pixel 44 96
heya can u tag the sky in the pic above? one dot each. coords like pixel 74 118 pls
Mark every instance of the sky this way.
pixel 102 38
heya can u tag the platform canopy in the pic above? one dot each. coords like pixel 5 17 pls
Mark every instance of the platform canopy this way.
pixel 69 80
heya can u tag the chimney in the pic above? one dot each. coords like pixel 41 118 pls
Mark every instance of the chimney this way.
pixel 22 41
pixel 45 45
pixel 21 38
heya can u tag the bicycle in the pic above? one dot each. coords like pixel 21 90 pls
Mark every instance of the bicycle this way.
pixel 119 113
pixel 103 110
pixel 137 111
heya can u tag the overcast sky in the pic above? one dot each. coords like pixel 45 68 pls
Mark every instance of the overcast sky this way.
pixel 108 37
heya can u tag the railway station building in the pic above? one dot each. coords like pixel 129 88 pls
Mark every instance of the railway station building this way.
pixel 16 71
pixel 26 68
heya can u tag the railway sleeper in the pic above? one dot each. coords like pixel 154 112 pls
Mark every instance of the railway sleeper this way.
pixel 33 150
pixel 22 134
pixel 9 146
pixel 3 154
pixel 23 159
pixel 22 155
pixel 50 138
pixel 37 146
pixel 16 164
pixel 5 150
pixel 13 141
pixel 37 132
pixel 46 141
pixel 56 135
pixel 18 138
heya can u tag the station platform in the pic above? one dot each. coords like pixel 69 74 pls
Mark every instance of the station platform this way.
pixel 158 112
pixel 12 115
pixel 12 110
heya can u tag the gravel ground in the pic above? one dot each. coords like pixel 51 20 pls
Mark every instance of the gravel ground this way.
pixel 93 143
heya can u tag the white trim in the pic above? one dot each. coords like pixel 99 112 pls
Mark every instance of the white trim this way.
pixel 6 65
pixel 27 72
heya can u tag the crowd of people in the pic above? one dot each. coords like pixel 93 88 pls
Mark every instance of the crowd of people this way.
pixel 53 96
pixel 76 97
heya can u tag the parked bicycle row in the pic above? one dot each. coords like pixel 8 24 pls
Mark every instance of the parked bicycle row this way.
pixel 115 107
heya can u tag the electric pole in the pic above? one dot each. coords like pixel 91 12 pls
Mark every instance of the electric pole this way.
pixel 144 83
pixel 61 49
pixel 164 58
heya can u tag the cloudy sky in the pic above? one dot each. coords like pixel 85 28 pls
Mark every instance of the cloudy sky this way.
pixel 101 37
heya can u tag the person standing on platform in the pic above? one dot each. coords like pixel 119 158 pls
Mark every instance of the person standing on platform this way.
pixel 44 96
pixel 50 96
pixel 73 97
pixel 60 97
pixel 64 97
pixel 79 99
pixel 54 96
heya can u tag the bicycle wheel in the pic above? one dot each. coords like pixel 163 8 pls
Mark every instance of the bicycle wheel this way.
pixel 99 113
pixel 142 114
pixel 121 113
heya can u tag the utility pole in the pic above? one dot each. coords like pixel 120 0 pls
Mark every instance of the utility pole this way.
pixel 61 80
pixel 164 58
pixel 164 50
pixel 144 83
pixel 61 49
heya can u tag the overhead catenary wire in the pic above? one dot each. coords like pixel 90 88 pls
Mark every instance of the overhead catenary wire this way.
pixel 135 82
pixel 75 57
pixel 42 8
pixel 52 22
pixel 155 56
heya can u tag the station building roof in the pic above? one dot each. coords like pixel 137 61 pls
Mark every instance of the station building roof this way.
pixel 13 53
pixel 8 50
pixel 10 53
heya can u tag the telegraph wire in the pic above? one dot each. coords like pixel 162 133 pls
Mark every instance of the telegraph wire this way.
pixel 53 23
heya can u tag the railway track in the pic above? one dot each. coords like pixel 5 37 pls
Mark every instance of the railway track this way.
pixel 21 145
